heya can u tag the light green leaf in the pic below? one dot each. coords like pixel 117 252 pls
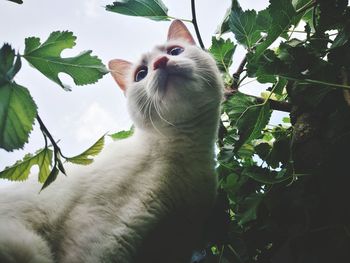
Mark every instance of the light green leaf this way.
pixel 21 169
pixel 282 13
pixel 85 157
pixel 17 114
pixel 222 50
pixel 152 9
pixel 122 134
pixel 46 57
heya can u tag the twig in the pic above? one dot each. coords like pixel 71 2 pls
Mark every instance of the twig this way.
pixel 48 135
pixel 274 104
pixel 195 24
pixel 306 7
pixel 237 74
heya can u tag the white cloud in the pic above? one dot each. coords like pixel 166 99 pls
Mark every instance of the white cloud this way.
pixel 95 122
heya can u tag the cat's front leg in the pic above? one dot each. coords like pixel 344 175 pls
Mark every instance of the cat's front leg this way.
pixel 20 245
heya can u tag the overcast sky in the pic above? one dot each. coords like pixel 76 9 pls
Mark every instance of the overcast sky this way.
pixel 78 118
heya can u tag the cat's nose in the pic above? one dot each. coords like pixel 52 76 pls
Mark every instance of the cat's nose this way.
pixel 160 63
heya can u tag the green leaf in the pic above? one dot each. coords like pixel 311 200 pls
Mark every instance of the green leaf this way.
pixel 264 176
pixel 122 134
pixel 21 169
pixel 8 66
pixel 243 25
pixel 152 9
pixel 250 207
pixel 224 27
pixel 222 50
pixel 251 123
pixel 52 177
pixel 248 116
pixel 16 1
pixel 85 157
pixel 46 57
pixel 282 13
pixel 17 114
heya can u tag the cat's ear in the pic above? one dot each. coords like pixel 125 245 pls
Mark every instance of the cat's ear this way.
pixel 119 69
pixel 178 30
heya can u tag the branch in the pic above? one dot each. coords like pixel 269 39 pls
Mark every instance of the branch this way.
pixel 236 76
pixel 274 104
pixel 194 21
pixel 48 135
pixel 306 7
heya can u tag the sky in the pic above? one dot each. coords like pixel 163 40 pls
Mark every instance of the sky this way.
pixel 78 118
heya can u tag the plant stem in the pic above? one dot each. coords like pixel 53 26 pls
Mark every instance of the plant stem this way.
pixel 195 24
pixel 182 19
pixel 306 7
pixel 48 135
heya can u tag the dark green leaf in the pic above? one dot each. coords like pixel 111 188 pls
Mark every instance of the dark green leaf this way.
pixel 243 25
pixel 21 170
pixel 46 57
pixel 249 208
pixel 264 176
pixel 8 66
pixel 52 177
pixel 282 13
pixel 222 50
pixel 251 123
pixel 16 1
pixel 122 134
pixel 224 27
pixel 85 157
pixel 152 9
pixel 17 114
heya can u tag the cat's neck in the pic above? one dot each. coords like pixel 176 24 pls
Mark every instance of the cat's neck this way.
pixel 199 142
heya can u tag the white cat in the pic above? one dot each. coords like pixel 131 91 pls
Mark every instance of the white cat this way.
pixel 144 199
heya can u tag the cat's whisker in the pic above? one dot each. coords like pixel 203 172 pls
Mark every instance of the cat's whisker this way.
pixel 151 103
pixel 158 110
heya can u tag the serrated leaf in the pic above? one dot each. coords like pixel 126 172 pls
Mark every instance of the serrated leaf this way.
pixel 8 66
pixel 85 157
pixel 46 57
pixel 282 14
pixel 222 50
pixel 20 171
pixel 248 116
pixel 122 134
pixel 243 25
pixel 17 114
pixel 152 9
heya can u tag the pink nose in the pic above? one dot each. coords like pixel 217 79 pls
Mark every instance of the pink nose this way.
pixel 160 63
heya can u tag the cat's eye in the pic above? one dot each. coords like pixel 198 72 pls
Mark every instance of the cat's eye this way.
pixel 141 73
pixel 174 51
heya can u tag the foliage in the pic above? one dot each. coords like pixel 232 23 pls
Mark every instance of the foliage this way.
pixel 283 188
pixel 18 110
pixel 45 57
pixel 152 9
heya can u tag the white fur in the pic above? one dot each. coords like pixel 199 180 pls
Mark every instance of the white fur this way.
pixel 105 211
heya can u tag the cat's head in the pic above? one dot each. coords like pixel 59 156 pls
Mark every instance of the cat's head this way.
pixel 173 85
